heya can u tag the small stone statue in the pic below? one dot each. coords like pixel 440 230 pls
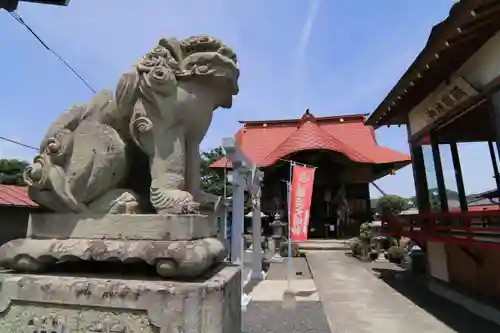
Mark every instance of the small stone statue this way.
pixel 138 152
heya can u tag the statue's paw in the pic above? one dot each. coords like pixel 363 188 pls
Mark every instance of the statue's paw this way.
pixel 117 201
pixel 173 202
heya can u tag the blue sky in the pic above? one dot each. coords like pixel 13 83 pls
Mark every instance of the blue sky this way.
pixel 333 57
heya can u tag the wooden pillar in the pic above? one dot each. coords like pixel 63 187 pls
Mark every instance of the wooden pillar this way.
pixel 458 176
pixel 495 112
pixel 438 167
pixel 419 176
pixel 493 157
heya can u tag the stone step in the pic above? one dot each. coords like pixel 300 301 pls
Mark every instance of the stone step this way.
pixel 322 246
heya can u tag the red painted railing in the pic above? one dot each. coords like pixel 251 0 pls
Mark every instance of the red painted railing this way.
pixel 479 228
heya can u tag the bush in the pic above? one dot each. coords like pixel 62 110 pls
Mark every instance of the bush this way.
pixel 387 242
pixel 356 246
pixel 391 204
pixel 396 254
pixel 365 232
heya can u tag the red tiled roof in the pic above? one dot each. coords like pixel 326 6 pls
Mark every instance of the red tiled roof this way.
pixel 478 208
pixel 15 196
pixel 265 142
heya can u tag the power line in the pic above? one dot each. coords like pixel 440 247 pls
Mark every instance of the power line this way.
pixel 17 143
pixel 20 20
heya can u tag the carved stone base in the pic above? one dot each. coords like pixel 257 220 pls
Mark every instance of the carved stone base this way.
pixel 179 246
pixel 172 258
pixel 123 226
pixel 58 304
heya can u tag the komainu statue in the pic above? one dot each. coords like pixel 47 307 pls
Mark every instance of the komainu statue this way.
pixel 132 245
pixel 139 151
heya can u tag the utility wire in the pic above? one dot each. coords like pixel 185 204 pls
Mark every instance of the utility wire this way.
pixel 17 143
pixel 20 20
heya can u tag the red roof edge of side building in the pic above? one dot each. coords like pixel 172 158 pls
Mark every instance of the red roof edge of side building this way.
pixel 15 196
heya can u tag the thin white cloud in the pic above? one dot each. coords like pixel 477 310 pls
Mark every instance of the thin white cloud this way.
pixel 307 29
pixel 305 35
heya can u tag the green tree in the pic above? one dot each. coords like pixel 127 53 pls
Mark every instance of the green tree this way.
pixel 212 179
pixel 11 171
pixel 391 204
pixel 435 203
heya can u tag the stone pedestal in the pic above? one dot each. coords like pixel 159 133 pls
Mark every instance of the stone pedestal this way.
pixel 106 304
pixel 179 246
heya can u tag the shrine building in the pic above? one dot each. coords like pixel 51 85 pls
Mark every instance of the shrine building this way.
pixel 346 156
pixel 449 99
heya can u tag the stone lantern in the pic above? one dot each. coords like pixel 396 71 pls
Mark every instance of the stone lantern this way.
pixel 279 231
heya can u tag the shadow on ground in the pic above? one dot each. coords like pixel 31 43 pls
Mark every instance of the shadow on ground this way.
pixel 453 315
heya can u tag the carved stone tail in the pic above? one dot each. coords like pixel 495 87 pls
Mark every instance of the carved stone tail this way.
pixel 159 199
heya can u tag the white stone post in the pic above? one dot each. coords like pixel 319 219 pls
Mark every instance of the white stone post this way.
pixel 243 170
pixel 237 247
pixel 257 273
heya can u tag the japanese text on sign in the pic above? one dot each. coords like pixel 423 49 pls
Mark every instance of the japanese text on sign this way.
pixel 300 205
pixel 451 97
pixel 440 103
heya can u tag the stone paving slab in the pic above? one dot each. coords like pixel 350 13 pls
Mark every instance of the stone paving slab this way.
pixel 357 301
pixel 272 290
pixel 271 317
pixel 278 270
pixel 323 245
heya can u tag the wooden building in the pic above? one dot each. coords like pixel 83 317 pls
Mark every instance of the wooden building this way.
pixel 449 95
pixel 344 151
pixel 15 208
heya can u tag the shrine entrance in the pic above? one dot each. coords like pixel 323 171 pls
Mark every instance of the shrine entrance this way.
pixel 337 207
pixel 346 156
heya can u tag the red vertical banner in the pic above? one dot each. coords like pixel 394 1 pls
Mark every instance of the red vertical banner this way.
pixel 300 201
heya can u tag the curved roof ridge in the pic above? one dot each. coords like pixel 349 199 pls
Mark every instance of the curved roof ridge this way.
pixel 318 133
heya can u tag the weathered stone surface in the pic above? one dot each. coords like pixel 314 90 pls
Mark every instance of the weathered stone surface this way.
pixel 172 258
pixel 60 304
pixel 125 226
pixel 137 151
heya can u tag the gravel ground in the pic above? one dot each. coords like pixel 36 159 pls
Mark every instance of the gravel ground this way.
pixel 270 317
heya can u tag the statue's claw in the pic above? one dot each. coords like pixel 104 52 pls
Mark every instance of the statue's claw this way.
pixel 173 202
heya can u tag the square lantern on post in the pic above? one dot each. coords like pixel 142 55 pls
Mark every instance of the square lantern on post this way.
pixel 230 177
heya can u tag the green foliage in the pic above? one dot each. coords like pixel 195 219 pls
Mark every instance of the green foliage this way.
pixel 212 179
pixel 365 232
pixel 356 246
pixel 395 254
pixel 11 171
pixel 435 203
pixel 391 204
